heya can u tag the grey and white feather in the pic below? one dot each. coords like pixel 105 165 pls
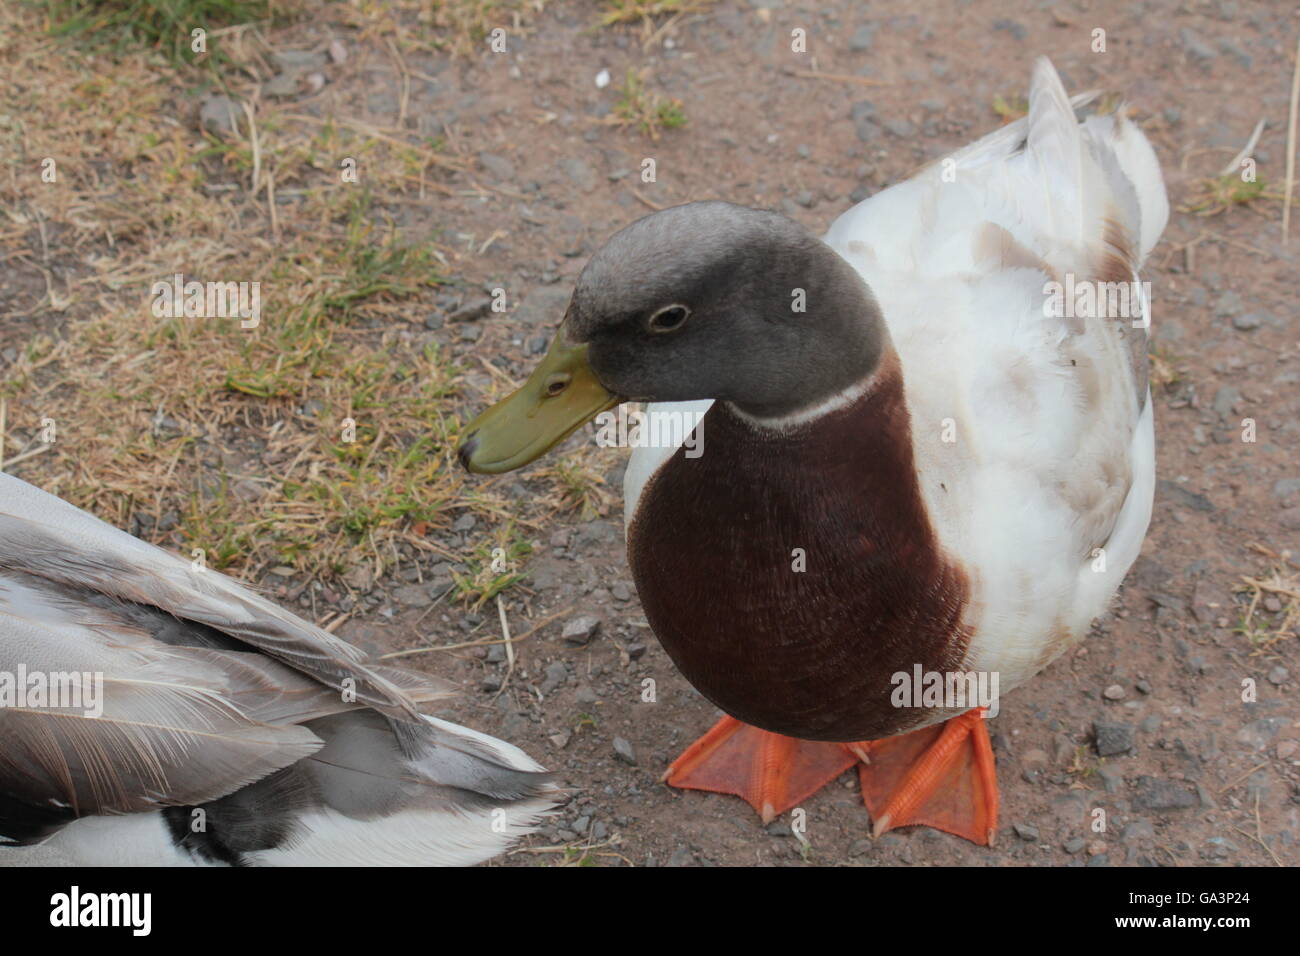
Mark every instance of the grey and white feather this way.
pixel 223 733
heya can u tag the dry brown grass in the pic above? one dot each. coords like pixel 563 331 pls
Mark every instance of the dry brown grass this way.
pixel 1272 613
pixel 196 433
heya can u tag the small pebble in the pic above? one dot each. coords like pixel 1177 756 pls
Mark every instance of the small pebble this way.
pixel 1026 831
pixel 624 752
pixel 581 629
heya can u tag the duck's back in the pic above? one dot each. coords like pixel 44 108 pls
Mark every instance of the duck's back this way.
pixel 1032 433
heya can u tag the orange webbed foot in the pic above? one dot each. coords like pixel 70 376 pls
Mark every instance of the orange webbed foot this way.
pixel 942 777
pixel 771 772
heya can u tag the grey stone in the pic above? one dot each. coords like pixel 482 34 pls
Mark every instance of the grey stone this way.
pixel 862 37
pixel 579 173
pixel 863 115
pixel 1180 495
pixel 900 128
pixel 220 115
pixel 1157 793
pixel 1075 846
pixel 298 60
pixel 1112 778
pixel 681 857
pixel 1258 734
pixel 1227 304
pixel 1026 831
pixel 861 847
pixel 470 311
pixel 414 595
pixel 1139 830
pixel 281 85
pixel 1195 45
pixel 581 629
pixel 165 427
pixel 1112 738
pixel 1017 30
pixel 1286 487
pixel 1225 400
pixel 556 674
pixel 1244 59
pixel 1248 322
pixel 1217 848
pixel 624 752
pixel 498 166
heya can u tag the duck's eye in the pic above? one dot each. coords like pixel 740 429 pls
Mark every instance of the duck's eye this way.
pixel 669 319
pixel 557 384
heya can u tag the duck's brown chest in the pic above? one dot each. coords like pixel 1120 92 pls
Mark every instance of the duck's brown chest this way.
pixel 789 576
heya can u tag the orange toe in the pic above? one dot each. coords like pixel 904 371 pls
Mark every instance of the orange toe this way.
pixel 771 772
pixel 941 776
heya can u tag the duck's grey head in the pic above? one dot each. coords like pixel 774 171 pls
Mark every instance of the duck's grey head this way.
pixel 705 300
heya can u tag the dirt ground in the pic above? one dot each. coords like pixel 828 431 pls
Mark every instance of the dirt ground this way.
pixel 1205 777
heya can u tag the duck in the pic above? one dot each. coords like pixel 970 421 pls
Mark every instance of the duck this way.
pixel 155 712
pixel 924 458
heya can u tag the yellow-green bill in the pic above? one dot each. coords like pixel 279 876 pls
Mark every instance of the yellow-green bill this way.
pixel 561 394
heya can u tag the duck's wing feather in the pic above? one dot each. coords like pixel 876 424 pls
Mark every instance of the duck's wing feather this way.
pixel 99 717
pixel 46 537
pixel 182 692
